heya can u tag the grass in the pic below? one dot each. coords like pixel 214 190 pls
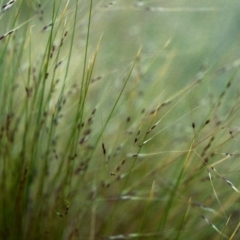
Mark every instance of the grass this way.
pixel 119 120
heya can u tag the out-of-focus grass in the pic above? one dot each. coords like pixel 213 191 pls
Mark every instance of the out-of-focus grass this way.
pixel 119 120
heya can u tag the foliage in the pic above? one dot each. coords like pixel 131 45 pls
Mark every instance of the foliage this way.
pixel 119 120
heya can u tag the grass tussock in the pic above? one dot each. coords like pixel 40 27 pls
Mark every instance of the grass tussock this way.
pixel 119 120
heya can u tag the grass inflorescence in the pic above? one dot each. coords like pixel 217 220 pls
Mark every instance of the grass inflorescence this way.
pixel 119 120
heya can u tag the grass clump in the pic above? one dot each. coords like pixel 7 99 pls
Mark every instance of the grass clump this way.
pixel 114 126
